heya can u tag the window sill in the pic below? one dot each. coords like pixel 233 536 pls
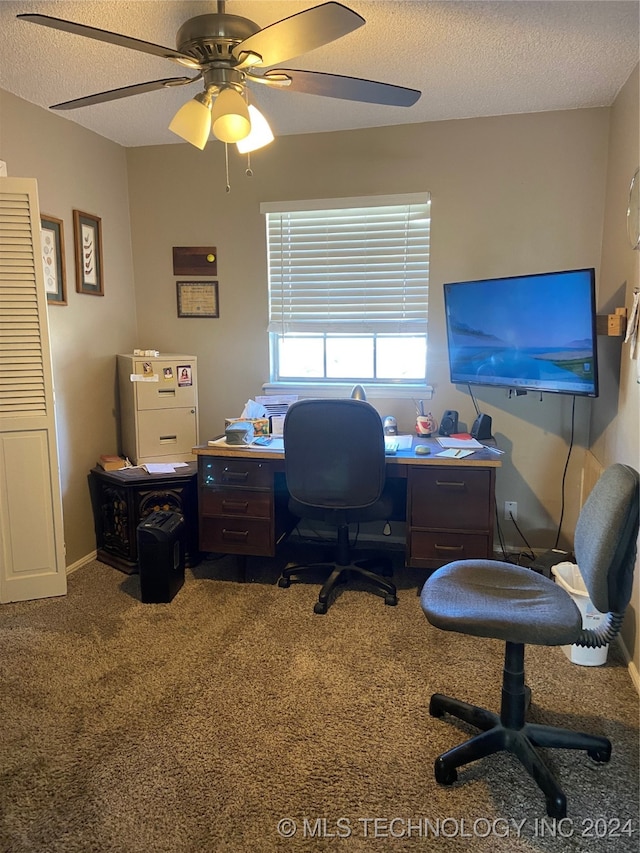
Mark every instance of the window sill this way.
pixel 343 389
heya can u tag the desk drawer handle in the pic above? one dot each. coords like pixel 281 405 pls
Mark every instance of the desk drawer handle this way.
pixel 457 548
pixel 235 506
pixel 234 476
pixel 236 535
pixel 449 484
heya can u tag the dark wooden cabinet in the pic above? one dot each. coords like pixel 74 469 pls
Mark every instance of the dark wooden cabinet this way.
pixel 450 514
pixel 242 506
pixel 121 499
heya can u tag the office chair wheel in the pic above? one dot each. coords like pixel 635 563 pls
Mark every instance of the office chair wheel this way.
pixel 557 806
pixel 285 583
pixel 599 755
pixel 391 599
pixel 320 607
pixel 444 775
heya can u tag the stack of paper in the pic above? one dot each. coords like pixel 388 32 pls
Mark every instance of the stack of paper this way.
pixel 459 443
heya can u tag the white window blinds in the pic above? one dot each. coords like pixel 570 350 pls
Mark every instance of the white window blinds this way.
pixel 354 265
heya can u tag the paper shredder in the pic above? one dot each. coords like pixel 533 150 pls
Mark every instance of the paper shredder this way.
pixel 161 556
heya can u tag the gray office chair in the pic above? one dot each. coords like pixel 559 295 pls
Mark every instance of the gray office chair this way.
pixel 486 598
pixel 335 473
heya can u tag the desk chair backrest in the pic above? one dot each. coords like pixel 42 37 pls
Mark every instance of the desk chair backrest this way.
pixel 606 536
pixel 334 453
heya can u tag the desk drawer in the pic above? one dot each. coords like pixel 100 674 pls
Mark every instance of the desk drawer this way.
pixel 453 498
pixel 430 549
pixel 236 502
pixel 237 536
pixel 244 473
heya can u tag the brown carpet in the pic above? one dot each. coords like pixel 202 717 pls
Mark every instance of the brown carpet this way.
pixel 199 725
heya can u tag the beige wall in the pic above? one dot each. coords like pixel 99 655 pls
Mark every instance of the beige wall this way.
pixel 77 169
pixel 616 437
pixel 510 195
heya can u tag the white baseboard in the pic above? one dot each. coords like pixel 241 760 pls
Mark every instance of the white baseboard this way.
pixel 81 562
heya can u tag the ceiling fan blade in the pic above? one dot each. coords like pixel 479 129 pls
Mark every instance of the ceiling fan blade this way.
pixel 124 92
pixel 112 38
pixel 299 34
pixel 346 88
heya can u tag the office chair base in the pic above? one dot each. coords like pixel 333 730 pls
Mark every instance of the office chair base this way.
pixel 510 733
pixel 340 574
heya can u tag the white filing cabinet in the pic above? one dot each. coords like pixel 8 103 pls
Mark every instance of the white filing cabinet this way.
pixel 158 407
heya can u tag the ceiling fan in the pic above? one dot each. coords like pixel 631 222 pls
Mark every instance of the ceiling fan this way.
pixel 229 52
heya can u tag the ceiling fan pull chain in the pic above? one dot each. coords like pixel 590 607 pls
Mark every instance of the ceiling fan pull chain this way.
pixel 249 171
pixel 226 166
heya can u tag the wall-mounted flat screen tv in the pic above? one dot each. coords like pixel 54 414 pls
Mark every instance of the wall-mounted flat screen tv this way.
pixel 530 332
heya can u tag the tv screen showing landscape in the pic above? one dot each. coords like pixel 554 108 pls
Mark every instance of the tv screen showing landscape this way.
pixel 533 332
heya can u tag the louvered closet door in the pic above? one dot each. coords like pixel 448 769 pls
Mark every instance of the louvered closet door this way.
pixel 31 537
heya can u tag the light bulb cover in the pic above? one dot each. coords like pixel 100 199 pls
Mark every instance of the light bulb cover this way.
pixel 230 120
pixel 260 135
pixel 192 122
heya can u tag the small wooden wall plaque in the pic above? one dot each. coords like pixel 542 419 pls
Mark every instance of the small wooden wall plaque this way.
pixel 195 260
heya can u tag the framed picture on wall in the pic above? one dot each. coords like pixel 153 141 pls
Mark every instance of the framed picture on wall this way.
pixel 87 234
pixel 52 239
pixel 198 299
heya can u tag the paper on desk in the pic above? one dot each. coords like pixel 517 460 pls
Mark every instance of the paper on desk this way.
pixel 277 404
pixel 458 443
pixel 162 467
pixel 455 454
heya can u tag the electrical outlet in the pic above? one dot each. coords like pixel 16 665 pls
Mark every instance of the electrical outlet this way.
pixel 510 510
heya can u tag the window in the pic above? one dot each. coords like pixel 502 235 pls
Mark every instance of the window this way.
pixel 348 289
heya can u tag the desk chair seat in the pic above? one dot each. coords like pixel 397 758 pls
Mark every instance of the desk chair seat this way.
pixel 335 469
pixel 486 598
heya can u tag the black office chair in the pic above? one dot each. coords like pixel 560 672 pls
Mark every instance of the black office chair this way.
pixel 486 598
pixel 335 472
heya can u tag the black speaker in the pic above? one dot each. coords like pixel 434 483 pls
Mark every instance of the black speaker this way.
pixel 160 556
pixel 481 427
pixel 449 423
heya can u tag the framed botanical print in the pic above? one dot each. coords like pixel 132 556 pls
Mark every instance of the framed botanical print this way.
pixel 87 233
pixel 52 239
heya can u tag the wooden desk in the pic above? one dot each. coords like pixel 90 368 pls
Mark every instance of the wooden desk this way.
pixel 242 502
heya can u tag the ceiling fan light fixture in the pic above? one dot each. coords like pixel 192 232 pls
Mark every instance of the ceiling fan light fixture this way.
pixel 260 135
pixel 230 120
pixel 192 122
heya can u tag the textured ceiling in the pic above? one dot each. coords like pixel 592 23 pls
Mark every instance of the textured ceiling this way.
pixel 468 59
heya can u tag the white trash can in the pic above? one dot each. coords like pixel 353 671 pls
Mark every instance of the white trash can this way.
pixel 568 576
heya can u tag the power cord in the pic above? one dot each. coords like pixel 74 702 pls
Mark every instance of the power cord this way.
pixel 511 558
pixel 566 465
pixel 531 555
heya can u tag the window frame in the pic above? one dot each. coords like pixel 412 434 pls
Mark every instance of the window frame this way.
pixel 399 277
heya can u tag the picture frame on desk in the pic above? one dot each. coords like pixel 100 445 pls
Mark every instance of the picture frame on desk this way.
pixel 53 262
pixel 87 233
